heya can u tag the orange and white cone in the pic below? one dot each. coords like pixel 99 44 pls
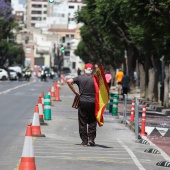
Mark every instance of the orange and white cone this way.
pixel 36 129
pixel 42 99
pixel 53 92
pixel 40 109
pixel 27 159
pixel 57 93
pixel 49 93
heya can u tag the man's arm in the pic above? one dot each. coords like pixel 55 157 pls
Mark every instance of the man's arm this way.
pixel 70 84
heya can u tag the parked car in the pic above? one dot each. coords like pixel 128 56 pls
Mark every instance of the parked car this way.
pixel 3 74
pixel 65 70
pixel 13 74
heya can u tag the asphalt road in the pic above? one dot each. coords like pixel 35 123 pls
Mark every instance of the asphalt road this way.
pixel 116 145
pixel 17 103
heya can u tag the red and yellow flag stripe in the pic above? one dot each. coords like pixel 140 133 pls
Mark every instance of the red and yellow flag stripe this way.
pixel 101 95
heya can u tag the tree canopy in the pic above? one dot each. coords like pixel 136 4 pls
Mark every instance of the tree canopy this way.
pixel 110 27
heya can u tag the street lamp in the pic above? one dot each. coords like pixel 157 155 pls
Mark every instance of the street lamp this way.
pixel 126 61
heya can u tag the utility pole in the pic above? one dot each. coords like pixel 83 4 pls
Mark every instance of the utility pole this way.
pixel 126 61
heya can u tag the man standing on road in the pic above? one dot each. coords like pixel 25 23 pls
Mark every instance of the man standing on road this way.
pixel 86 110
pixel 125 84
pixel 119 76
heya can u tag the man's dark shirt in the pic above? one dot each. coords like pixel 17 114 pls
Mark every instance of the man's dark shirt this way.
pixel 85 83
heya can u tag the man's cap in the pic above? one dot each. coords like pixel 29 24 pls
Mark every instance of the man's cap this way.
pixel 88 66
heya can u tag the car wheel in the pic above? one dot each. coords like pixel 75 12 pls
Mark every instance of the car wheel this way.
pixel 4 78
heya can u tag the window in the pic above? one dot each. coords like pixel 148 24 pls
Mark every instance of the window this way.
pixel 36 12
pixel 36 6
pixel 28 49
pixel 36 18
pixel 72 36
pixel 71 7
pixel 67 36
pixel 45 12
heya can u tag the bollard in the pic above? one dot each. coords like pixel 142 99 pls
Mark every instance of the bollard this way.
pixel 115 105
pixel 142 133
pixel 47 107
pixel 111 103
pixel 108 104
pixel 132 111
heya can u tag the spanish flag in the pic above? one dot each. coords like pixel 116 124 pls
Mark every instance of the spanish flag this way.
pixel 101 95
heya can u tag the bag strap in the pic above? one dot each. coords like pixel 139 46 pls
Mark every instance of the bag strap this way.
pixel 84 86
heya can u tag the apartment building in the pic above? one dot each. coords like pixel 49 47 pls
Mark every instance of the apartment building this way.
pixel 36 12
pixel 49 23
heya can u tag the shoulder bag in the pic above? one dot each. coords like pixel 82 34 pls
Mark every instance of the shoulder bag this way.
pixel 76 100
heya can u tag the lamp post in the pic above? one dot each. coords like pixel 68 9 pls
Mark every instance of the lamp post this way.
pixel 126 61
pixel 162 80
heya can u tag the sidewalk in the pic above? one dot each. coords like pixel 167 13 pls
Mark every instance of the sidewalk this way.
pixel 157 122
pixel 116 145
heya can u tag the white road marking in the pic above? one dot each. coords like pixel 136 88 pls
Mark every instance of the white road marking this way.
pixel 132 155
pixel 7 91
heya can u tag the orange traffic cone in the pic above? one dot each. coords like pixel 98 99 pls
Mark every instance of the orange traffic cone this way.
pixel 42 99
pixel 51 101
pixel 36 129
pixel 27 159
pixel 57 93
pixel 40 109
pixel 53 92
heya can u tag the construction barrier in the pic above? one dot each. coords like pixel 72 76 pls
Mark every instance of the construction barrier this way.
pixel 47 107
pixel 115 105
pixel 27 160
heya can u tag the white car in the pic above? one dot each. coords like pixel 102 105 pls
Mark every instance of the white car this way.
pixel 13 75
pixel 3 74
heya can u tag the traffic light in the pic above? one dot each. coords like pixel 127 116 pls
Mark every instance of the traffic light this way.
pixel 62 49
pixel 63 39
pixel 51 1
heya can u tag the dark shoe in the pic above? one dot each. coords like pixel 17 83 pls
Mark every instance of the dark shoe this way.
pixel 91 143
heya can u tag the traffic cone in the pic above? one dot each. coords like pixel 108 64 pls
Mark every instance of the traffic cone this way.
pixel 51 101
pixel 57 93
pixel 132 115
pixel 40 109
pixel 53 92
pixel 36 129
pixel 42 99
pixel 143 133
pixel 27 160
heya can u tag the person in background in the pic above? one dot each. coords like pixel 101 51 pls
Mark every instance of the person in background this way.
pixel 78 71
pixel 86 111
pixel 108 77
pixel 119 76
pixel 125 84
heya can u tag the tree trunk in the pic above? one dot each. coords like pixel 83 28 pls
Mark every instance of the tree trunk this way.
pixel 142 80
pixel 166 87
pixel 151 82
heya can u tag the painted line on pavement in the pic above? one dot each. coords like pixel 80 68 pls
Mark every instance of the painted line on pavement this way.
pixel 138 164
pixel 7 91
pixel 166 157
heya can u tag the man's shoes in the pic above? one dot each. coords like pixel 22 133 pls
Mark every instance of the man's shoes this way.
pixel 84 144
pixel 91 143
